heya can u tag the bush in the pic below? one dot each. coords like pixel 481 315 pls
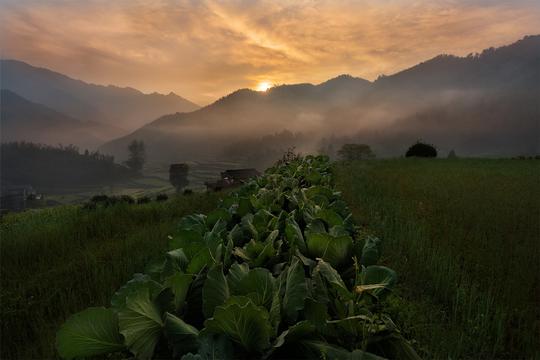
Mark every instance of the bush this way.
pixel 162 197
pixel 355 152
pixel 99 198
pixel 188 192
pixel 127 199
pixel 143 200
pixel 421 149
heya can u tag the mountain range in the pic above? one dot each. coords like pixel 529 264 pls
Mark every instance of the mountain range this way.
pixel 28 121
pixel 482 104
pixel 118 110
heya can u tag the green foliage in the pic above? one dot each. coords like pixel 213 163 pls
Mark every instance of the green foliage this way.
pixel 91 332
pixel 350 152
pixel 257 278
pixel 137 156
pixel 421 149
pixel 57 261
pixel 178 176
pixel 58 167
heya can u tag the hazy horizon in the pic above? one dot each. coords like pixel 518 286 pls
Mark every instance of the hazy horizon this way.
pixel 205 50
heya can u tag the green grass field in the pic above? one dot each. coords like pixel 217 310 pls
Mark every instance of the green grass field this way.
pixel 464 236
pixel 58 261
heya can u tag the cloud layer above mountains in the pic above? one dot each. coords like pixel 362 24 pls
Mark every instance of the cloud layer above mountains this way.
pixel 205 49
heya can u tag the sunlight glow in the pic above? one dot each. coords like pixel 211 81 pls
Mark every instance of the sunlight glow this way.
pixel 263 86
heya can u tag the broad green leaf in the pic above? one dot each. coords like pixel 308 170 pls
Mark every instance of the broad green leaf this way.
pixel 237 235
pixel 214 216
pixel 324 350
pixel 244 206
pixel 267 253
pixel 256 253
pixel 335 250
pixel 258 285
pixel 139 281
pixel 140 323
pixel 228 251
pixel 247 226
pixel 261 220
pixel 338 230
pixel 315 227
pixel 333 278
pixel 330 217
pixel 175 260
pixel 370 251
pixel 201 260
pixel 195 222
pixel 272 236
pixel 179 284
pixel 190 241
pixel 294 235
pixel 316 313
pixel 215 290
pixel 377 280
pixel 91 332
pixel 295 290
pixel 319 289
pixel 236 273
pixel 242 321
pixel 275 308
pixel 296 332
pixel 182 336
pixel 215 347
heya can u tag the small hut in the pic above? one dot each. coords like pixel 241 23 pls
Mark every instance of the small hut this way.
pixel 232 178
pixel 178 176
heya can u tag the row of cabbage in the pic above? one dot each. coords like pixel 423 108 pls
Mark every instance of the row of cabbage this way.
pixel 276 271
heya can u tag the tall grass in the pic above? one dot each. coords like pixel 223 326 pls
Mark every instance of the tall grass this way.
pixel 464 236
pixel 58 261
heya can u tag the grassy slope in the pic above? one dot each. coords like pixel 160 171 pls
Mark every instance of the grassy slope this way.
pixel 464 237
pixel 58 261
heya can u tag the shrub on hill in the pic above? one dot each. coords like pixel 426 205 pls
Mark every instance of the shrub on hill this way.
pixel 421 149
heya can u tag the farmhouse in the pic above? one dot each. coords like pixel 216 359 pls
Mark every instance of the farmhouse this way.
pixel 231 178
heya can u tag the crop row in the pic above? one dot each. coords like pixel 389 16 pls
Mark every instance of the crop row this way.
pixel 276 271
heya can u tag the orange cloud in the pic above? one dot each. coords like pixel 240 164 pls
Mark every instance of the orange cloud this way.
pixel 205 49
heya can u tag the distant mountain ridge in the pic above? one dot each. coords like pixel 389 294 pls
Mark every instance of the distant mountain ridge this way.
pixel 454 92
pixel 125 108
pixel 23 120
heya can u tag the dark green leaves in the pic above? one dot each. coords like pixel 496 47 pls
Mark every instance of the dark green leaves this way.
pixel 269 273
pixel 91 332
pixel 295 290
pixel 334 249
pixel 370 251
pixel 243 322
pixel 140 323
pixel 215 290
pixel 182 336
pixel 377 280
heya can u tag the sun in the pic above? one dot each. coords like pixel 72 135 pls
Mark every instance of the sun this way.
pixel 264 85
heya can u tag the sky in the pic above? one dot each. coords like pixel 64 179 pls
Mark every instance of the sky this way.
pixel 203 50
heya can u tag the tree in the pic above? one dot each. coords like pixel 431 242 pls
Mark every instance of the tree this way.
pixel 452 154
pixel 421 149
pixel 355 152
pixel 178 174
pixel 137 156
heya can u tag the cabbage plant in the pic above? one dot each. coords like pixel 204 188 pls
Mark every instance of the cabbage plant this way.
pixel 276 271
